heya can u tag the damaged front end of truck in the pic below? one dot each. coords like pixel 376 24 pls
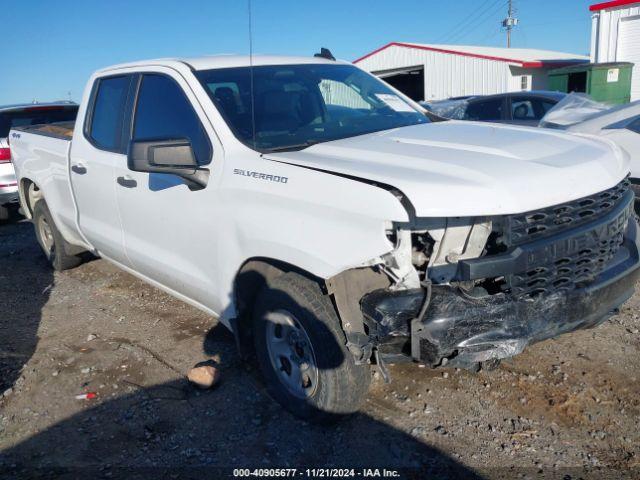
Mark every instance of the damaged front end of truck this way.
pixel 467 292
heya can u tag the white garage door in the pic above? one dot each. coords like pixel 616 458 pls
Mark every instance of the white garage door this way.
pixel 629 50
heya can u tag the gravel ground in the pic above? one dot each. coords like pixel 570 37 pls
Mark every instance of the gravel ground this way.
pixel 565 408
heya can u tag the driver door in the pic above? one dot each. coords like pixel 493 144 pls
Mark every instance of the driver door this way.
pixel 169 232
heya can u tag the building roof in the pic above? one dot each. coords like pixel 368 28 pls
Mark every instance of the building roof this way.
pixel 524 57
pixel 596 7
pixel 583 67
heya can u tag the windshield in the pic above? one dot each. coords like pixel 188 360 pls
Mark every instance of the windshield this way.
pixel 299 105
pixel 35 116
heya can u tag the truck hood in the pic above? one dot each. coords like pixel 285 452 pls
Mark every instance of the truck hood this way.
pixel 472 169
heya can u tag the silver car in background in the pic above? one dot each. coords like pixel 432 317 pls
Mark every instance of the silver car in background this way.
pixel 617 123
pixel 23 115
pixel 518 108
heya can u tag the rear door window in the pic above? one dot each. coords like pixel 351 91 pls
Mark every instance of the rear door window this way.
pixel 164 112
pixel 485 110
pixel 523 108
pixel 106 129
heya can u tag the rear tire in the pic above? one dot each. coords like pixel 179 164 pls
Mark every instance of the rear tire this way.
pixel 53 245
pixel 300 348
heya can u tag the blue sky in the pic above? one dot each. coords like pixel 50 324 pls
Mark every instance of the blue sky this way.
pixel 53 46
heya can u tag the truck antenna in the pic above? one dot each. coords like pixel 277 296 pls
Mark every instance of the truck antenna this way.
pixel 253 103
pixel 325 53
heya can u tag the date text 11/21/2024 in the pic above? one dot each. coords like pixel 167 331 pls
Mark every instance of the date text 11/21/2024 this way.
pixel 317 472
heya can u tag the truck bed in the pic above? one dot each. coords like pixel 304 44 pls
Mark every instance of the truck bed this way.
pixel 62 130
pixel 40 153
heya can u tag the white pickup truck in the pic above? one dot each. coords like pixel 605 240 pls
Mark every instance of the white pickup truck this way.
pixel 328 222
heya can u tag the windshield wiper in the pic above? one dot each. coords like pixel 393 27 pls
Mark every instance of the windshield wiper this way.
pixel 295 147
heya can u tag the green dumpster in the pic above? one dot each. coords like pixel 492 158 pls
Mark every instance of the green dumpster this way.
pixel 604 82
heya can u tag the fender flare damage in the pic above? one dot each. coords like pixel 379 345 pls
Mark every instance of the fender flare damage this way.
pixel 345 289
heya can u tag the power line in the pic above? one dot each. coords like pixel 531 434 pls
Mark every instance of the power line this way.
pixel 461 25
pixel 491 10
pixel 491 35
pixel 479 20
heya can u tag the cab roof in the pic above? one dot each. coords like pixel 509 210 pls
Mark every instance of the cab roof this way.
pixel 227 61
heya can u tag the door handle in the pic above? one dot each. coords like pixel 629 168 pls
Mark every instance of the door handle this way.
pixel 79 169
pixel 127 182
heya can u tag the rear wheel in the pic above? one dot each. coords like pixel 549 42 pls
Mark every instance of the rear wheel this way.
pixel 53 245
pixel 301 351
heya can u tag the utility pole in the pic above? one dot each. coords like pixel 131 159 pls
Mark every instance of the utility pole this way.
pixel 509 23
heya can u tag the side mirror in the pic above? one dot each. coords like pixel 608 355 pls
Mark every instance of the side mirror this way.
pixel 172 156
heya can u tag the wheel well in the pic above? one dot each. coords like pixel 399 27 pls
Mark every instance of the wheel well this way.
pixel 252 277
pixel 30 193
pixel 345 290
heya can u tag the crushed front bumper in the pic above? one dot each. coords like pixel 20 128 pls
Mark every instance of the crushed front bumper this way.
pixel 462 330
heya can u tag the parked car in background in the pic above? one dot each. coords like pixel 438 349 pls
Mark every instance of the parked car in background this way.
pixel 573 109
pixel 18 116
pixel 328 222
pixel 620 124
pixel 519 108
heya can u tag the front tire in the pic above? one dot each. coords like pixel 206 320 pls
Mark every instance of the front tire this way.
pixel 53 245
pixel 300 347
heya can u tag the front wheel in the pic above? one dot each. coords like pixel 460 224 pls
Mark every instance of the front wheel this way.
pixel 301 351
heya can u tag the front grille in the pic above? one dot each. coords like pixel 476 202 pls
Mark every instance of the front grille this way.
pixel 569 261
pixel 526 227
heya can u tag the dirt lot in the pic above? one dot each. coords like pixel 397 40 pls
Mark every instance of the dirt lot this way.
pixel 567 408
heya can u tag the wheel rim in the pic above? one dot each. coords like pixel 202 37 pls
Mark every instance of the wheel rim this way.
pixel 291 354
pixel 46 235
